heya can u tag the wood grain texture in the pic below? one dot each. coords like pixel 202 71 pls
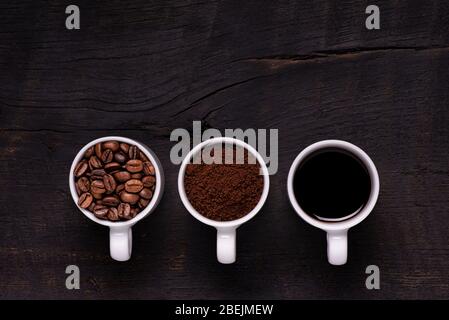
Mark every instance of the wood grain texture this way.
pixel 142 68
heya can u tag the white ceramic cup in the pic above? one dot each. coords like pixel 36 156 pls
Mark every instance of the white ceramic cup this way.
pixel 337 232
pixel 120 234
pixel 226 230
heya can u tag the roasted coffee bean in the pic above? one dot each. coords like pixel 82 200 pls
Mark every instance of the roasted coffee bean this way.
pixel 94 163
pixel 97 196
pixel 113 145
pixel 148 168
pixel 148 181
pixel 146 193
pixel 85 200
pixel 107 156
pixel 122 176
pixel 97 174
pixel 83 184
pixel 78 191
pixel 109 183
pixel 133 186
pixel 89 152
pixel 111 201
pixel 98 150
pixel 130 198
pixel 136 176
pixel 133 152
pixel 80 169
pixel 124 211
pixel 114 180
pixel 143 157
pixel 112 166
pixel 113 214
pixel 91 207
pixel 134 166
pixel 120 157
pixel 143 203
pixel 120 188
pixel 124 147
pixel 134 212
pixel 97 186
pixel 100 211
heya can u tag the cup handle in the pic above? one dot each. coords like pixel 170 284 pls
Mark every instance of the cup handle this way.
pixel 226 245
pixel 337 247
pixel 120 243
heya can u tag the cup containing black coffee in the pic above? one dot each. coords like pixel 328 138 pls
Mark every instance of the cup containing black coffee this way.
pixel 333 185
pixel 116 182
pixel 223 182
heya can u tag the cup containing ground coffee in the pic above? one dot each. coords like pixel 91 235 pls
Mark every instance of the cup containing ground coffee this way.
pixel 333 185
pixel 116 182
pixel 223 182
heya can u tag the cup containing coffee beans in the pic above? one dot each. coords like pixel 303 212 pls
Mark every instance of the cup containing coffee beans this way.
pixel 333 185
pixel 223 182
pixel 116 182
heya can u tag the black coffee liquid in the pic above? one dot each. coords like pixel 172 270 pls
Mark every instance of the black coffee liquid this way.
pixel 331 185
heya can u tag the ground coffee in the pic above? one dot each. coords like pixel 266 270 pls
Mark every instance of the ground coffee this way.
pixel 224 192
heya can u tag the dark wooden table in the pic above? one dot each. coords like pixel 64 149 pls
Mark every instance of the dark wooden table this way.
pixel 143 68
